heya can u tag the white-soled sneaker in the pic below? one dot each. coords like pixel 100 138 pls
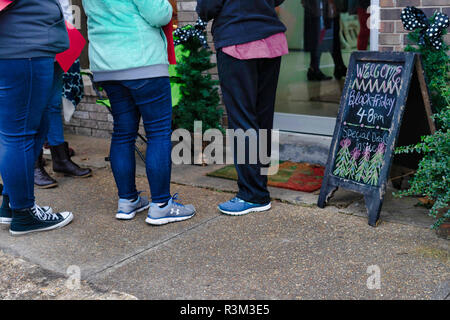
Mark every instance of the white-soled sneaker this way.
pixel 127 209
pixel 172 212
pixel 35 220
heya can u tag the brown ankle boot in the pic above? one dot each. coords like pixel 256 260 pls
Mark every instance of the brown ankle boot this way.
pixel 41 178
pixel 64 165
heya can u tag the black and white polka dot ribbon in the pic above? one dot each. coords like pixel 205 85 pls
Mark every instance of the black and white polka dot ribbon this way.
pixel 414 18
pixel 186 33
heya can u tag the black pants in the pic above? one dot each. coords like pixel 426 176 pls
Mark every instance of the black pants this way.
pixel 249 89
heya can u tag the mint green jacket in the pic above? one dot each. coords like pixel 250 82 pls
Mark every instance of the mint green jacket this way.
pixel 127 35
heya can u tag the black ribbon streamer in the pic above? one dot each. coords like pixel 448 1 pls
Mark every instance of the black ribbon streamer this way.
pixel 189 32
pixel 414 18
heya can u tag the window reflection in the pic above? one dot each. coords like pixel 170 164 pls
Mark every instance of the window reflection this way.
pixel 321 34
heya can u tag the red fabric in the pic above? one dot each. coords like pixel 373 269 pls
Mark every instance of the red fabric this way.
pixel 271 47
pixel 77 43
pixel 4 4
pixel 168 31
pixel 364 33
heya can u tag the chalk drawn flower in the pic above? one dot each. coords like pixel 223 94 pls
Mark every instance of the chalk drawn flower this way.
pixel 366 153
pixel 355 154
pixel 345 143
pixel 381 148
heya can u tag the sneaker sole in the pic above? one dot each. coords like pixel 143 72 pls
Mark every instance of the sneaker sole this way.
pixel 56 226
pixel 123 216
pixel 241 213
pixel 162 221
pixel 5 220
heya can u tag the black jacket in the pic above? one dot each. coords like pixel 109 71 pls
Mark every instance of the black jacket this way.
pixel 32 28
pixel 240 21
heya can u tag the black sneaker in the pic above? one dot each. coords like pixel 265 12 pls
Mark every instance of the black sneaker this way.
pixel 35 219
pixel 5 211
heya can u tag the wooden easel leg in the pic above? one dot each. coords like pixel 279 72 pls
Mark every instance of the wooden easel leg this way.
pixel 326 193
pixel 373 204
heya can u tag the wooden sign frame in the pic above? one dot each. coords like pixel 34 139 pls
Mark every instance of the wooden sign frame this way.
pixel 413 71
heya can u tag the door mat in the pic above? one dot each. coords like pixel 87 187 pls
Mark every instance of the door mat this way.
pixel 296 176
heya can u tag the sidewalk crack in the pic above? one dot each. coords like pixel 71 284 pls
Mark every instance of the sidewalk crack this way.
pixel 141 252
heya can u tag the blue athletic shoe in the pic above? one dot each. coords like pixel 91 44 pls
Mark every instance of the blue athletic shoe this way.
pixel 239 207
pixel 128 209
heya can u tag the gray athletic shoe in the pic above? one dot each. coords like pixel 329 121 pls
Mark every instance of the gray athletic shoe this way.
pixel 172 212
pixel 128 209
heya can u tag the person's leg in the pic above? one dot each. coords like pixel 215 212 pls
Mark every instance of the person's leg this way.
pixel 126 118
pixel 269 71
pixel 55 134
pixel 239 83
pixel 340 70
pixel 24 90
pixel 61 159
pixel 22 103
pixel 41 177
pixel 154 100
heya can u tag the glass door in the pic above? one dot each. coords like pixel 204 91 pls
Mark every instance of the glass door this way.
pixel 321 34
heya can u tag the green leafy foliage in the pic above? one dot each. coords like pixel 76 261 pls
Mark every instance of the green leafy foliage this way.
pixel 199 96
pixel 437 69
pixel 432 178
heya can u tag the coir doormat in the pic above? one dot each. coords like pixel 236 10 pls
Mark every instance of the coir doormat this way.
pixel 303 177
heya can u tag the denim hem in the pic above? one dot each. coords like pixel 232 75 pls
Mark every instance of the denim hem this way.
pixel 242 196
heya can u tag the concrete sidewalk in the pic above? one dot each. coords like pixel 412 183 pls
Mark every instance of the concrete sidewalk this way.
pixel 294 251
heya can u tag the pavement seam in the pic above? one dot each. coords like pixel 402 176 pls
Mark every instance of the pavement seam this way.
pixel 145 250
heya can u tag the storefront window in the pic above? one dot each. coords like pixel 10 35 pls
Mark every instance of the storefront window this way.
pixel 322 34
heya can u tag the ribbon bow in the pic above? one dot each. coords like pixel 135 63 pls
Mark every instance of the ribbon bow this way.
pixel 189 32
pixel 414 18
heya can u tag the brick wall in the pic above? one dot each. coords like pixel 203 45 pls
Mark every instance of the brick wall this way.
pixel 94 120
pixel 392 35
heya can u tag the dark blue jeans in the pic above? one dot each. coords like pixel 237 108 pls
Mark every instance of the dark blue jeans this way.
pixel 151 99
pixel 25 86
pixel 55 136
pixel 249 89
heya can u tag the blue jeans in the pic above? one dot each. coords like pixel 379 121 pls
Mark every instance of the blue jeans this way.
pixel 25 86
pixel 151 99
pixel 55 136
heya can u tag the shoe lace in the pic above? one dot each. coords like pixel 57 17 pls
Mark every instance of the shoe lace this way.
pixel 43 215
pixel 236 199
pixel 175 197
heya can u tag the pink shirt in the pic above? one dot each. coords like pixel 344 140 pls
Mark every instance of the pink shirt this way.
pixel 271 47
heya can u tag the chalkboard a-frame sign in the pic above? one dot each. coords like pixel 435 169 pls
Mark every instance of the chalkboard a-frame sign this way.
pixel 385 103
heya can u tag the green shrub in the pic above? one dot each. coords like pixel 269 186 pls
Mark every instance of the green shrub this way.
pixel 437 69
pixel 432 178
